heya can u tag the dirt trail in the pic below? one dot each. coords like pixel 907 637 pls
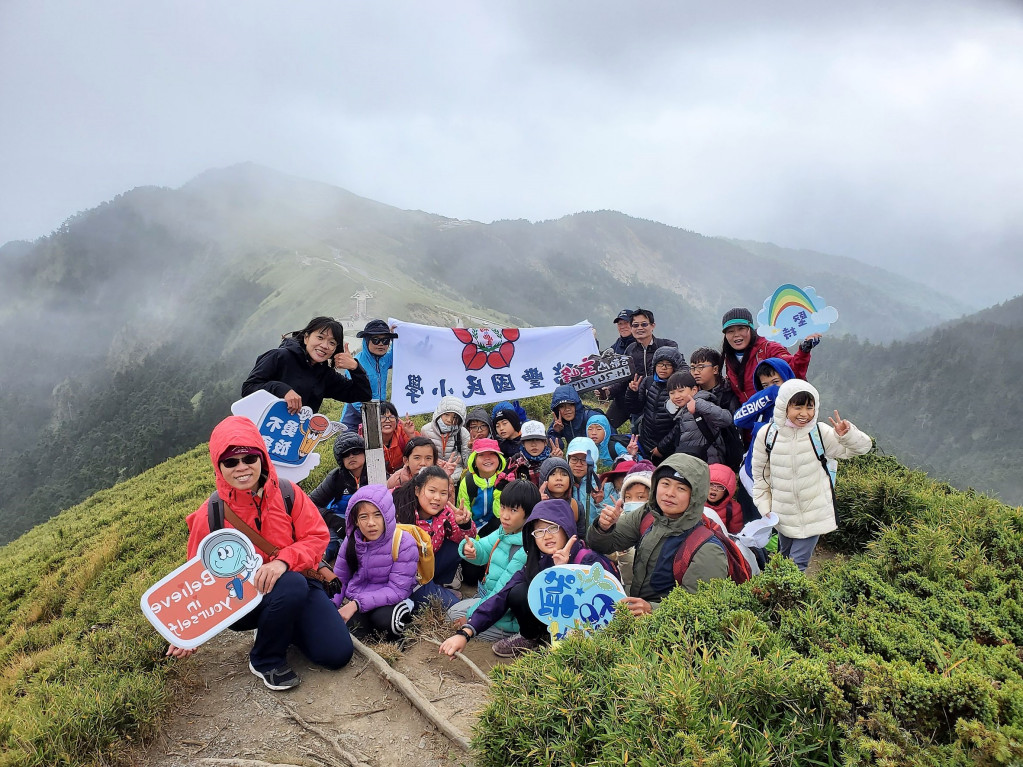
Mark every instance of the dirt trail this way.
pixel 225 713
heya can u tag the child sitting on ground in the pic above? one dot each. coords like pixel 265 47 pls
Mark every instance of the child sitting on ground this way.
pixel 697 421
pixel 547 540
pixel 333 494
pixel 635 493
pixel 502 554
pixel 790 477
pixel 721 497
pixel 534 449
pixel 598 428
pixel 419 452
pixel 449 435
pixel 426 497
pixel 648 395
pixel 375 585
pixel 507 426
pixel 479 493
pixel 586 488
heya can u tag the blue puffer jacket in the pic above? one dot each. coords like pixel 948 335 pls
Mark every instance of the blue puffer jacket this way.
pixel 376 369
pixel 758 410
pixel 565 394
pixel 504 555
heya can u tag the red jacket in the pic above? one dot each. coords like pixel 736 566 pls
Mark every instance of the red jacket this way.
pixel 727 508
pixel 302 536
pixel 760 350
pixel 443 527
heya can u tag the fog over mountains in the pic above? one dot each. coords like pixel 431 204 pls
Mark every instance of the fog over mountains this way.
pixel 133 325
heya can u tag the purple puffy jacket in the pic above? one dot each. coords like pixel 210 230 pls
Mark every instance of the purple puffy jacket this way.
pixel 379 579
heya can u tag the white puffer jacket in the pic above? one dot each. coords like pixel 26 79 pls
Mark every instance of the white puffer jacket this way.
pixel 793 484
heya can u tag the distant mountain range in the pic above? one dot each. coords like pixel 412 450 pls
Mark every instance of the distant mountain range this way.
pixel 131 327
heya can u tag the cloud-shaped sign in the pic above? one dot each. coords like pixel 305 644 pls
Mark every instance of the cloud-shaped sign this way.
pixel 792 313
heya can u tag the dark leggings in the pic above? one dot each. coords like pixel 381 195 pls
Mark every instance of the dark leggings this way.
pixel 388 621
pixel 530 626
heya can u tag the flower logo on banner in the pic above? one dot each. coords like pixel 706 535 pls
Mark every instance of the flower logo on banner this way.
pixel 487 346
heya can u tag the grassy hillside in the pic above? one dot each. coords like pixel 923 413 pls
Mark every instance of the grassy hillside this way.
pixel 909 651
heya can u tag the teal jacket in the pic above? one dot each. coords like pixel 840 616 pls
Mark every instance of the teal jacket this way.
pixel 506 556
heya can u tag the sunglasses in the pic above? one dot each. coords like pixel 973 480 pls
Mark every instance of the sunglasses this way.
pixel 552 530
pixel 248 459
pixel 381 341
pixel 639 325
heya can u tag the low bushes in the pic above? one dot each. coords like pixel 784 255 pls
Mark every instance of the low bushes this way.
pixel 910 653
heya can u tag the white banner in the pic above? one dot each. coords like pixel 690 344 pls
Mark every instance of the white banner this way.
pixel 481 365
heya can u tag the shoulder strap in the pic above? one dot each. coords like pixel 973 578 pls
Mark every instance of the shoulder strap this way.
pixel 215 511
pixel 698 536
pixel 490 557
pixel 770 437
pixel 395 543
pixel 646 523
pixel 218 511
pixel 817 440
pixel 705 429
pixel 288 491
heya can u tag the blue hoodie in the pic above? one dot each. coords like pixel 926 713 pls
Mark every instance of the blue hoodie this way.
pixel 376 369
pixel 759 409
pixel 602 422
pixel 565 394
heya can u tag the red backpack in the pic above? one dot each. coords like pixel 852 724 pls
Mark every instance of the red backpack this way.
pixel 738 568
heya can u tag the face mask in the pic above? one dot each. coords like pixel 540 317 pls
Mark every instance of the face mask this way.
pixel 632 506
pixel 446 428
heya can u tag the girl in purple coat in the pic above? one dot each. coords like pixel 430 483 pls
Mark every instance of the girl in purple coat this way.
pixel 548 536
pixel 376 586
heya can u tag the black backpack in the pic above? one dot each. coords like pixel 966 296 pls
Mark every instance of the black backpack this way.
pixel 215 507
pixel 728 439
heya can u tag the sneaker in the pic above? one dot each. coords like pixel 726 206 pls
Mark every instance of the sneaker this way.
pixel 456 582
pixel 282 678
pixel 514 646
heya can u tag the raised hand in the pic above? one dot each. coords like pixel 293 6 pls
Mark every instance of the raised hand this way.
pixel 469 549
pixel 598 493
pixel 293 401
pixel 556 451
pixel 633 446
pixel 558 424
pixel 408 427
pixel 635 382
pixel 609 515
pixel 462 515
pixel 839 424
pixel 564 554
pixel 345 360
pixel 691 406
pixel 544 495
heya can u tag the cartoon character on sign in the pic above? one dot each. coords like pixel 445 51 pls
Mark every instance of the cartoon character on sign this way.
pixel 793 313
pixel 574 598
pixel 315 430
pixel 225 556
pixel 487 346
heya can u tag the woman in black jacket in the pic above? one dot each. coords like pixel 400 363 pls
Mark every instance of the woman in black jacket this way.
pixel 303 370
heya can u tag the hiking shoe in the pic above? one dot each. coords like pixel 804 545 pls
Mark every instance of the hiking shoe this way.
pixel 514 646
pixel 282 678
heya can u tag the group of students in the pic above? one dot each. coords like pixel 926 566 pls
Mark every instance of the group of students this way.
pixel 491 499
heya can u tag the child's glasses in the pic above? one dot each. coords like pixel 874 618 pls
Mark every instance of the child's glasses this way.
pixel 552 530
pixel 248 459
pixel 701 366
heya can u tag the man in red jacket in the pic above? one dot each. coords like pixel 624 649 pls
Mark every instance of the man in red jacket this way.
pixel 295 609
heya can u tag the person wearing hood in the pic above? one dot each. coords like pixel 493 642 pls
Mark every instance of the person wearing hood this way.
pixel 658 530
pixel 598 428
pixel 295 610
pixel 478 424
pixel 758 410
pixel 303 370
pixel 648 395
pixel 447 431
pixel 789 478
pixel 549 540
pixel 570 415
pixel 376 358
pixel 721 497
pixel 331 496
pixel 587 491
pixel 376 585
pixel 743 350
pixel 508 427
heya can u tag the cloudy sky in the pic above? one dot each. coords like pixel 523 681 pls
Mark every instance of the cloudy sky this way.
pixel 890 131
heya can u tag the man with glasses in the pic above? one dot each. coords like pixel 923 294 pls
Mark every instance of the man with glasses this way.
pixel 642 352
pixel 616 412
pixel 375 357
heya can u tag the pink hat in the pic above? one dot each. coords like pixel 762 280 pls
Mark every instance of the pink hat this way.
pixel 486 445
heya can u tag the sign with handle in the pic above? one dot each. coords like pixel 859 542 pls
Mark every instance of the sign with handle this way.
pixel 574 598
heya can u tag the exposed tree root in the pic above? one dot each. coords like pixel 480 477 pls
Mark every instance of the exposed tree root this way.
pixel 475 669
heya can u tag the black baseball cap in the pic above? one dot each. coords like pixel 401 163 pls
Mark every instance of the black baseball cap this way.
pixel 624 314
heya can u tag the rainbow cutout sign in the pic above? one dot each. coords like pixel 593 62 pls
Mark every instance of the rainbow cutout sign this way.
pixel 793 313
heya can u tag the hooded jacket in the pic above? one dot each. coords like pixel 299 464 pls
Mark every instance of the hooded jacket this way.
pixel 727 508
pixel 380 579
pixel 479 413
pixel 503 555
pixel 583 487
pixel 648 565
pixel 758 351
pixel 565 394
pixel 288 367
pixel 447 443
pixel 758 411
pixel 793 484
pixel 487 503
pixel 560 513
pixel 376 369
pixel 686 436
pixel 604 454
pixel 301 536
pixel 650 399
